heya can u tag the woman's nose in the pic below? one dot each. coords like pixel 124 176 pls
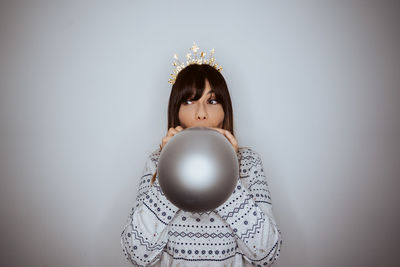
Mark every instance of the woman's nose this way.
pixel 201 117
pixel 202 113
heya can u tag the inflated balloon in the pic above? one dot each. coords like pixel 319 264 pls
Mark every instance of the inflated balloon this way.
pixel 198 169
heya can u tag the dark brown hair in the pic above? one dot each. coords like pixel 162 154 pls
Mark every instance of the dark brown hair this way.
pixel 191 81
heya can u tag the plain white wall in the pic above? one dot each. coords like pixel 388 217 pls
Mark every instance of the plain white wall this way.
pixel 84 95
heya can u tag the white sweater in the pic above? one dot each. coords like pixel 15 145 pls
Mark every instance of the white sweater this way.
pixel 240 232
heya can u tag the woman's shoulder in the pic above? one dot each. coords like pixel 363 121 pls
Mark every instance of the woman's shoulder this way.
pixel 247 152
pixel 154 155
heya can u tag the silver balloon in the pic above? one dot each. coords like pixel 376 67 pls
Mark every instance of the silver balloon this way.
pixel 198 169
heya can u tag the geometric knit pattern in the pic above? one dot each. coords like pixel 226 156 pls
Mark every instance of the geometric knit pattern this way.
pixel 240 232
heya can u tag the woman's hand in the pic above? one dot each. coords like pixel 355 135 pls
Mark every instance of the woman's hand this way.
pixel 229 136
pixel 171 132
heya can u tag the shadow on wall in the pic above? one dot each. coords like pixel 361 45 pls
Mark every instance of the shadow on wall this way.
pixel 106 247
pixel 295 251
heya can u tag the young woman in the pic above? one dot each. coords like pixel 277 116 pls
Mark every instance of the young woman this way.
pixel 241 232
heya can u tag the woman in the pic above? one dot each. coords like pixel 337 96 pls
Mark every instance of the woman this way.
pixel 240 232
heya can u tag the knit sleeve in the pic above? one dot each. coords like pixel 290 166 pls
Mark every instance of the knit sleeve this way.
pixel 249 213
pixel 146 232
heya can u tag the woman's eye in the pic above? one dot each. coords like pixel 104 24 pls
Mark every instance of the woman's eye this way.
pixel 211 101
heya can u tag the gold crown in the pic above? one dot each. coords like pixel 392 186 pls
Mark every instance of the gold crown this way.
pixel 193 59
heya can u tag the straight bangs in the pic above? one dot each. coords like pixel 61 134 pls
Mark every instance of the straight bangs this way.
pixel 193 84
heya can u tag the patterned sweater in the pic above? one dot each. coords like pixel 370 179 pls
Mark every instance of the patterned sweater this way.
pixel 240 232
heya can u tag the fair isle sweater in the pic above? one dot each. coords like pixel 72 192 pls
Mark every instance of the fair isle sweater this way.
pixel 240 232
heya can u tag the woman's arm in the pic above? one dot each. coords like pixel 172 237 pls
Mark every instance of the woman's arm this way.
pixel 146 232
pixel 249 213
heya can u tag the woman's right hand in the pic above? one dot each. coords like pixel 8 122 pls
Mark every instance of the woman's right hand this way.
pixel 171 132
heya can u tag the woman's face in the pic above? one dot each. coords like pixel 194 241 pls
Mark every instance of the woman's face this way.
pixel 204 112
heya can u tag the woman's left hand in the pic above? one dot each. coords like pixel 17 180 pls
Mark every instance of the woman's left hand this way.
pixel 229 136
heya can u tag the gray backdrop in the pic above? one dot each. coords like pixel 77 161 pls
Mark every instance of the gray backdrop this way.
pixel 83 100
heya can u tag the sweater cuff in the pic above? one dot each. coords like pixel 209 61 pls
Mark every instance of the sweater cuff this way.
pixel 159 205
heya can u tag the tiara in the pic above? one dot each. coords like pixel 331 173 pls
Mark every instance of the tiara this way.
pixel 193 58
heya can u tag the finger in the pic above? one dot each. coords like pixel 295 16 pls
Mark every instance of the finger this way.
pixel 222 131
pixel 231 138
pixel 217 129
pixel 172 132
pixel 165 140
pixel 169 131
pixel 179 128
